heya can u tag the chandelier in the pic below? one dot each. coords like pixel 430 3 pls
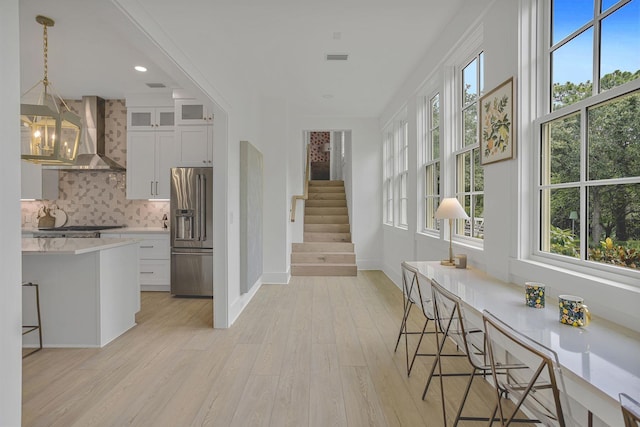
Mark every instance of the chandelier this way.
pixel 49 131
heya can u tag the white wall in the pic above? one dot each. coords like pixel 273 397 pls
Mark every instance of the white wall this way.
pixel 346 170
pixel 402 244
pixel 243 126
pixel 274 146
pixel 506 189
pixel 237 118
pixel 10 252
pixel 365 208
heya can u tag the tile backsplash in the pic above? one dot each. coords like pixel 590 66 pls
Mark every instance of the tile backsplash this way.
pixel 99 197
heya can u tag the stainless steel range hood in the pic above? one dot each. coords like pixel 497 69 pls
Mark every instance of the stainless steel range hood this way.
pixel 91 150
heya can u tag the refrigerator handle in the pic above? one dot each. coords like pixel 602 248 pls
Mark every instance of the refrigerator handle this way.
pixel 198 206
pixel 203 209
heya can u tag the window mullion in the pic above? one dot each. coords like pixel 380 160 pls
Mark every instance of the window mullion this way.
pixel 584 177
pixel 597 29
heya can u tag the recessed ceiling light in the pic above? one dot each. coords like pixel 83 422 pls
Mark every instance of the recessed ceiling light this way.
pixel 337 35
pixel 327 96
pixel 140 68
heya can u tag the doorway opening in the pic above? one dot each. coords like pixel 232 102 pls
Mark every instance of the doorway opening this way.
pixel 327 154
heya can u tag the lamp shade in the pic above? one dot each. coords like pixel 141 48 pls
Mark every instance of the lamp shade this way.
pixel 450 209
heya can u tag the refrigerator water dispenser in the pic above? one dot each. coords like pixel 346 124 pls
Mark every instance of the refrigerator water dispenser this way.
pixel 184 224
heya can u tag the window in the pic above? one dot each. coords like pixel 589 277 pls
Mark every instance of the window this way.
pixel 388 177
pixel 469 178
pixel 402 138
pixel 591 50
pixel 430 137
pixel 589 163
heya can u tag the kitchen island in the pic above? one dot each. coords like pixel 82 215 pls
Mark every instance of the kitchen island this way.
pixel 89 289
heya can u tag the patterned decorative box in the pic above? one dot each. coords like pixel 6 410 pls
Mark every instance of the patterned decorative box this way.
pixel 534 294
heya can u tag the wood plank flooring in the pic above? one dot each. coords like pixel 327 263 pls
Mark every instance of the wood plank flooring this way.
pixel 317 352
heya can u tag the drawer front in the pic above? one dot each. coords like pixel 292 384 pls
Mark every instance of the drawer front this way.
pixel 155 272
pixel 154 249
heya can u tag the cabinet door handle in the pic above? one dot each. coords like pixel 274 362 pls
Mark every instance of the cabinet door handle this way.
pixel 156 188
pixel 147 247
pixel 146 272
pixel 151 188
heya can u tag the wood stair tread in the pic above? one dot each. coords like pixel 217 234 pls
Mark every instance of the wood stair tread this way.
pixel 327 249
pixel 322 246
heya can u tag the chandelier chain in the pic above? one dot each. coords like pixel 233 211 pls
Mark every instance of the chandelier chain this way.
pixel 46 51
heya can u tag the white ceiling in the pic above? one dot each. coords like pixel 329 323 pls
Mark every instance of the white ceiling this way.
pixel 276 47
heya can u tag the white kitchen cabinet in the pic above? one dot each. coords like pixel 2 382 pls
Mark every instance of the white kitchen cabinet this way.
pixel 195 145
pixel 151 146
pixel 38 183
pixel 155 262
pixel 154 257
pixel 150 156
pixel 150 118
pixel 192 112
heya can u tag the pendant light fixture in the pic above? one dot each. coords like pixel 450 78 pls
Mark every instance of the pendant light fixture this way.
pixel 49 131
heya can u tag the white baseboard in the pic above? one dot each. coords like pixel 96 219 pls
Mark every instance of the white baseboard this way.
pixel 369 264
pixel 281 278
pixel 236 308
pixel 155 288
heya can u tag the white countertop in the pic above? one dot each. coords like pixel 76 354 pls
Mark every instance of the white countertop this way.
pixel 136 230
pixel 71 246
pixel 125 230
pixel 602 355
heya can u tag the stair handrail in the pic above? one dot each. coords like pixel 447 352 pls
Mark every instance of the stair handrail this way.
pixel 307 177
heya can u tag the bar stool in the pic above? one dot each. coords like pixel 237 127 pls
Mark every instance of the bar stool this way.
pixel 31 328
pixel 414 293
pixel 451 324
pixel 630 410
pixel 534 378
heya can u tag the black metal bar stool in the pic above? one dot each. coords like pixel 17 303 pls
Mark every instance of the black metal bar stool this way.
pixel 31 328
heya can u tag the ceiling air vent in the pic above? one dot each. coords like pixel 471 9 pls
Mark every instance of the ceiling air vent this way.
pixel 337 56
pixel 156 85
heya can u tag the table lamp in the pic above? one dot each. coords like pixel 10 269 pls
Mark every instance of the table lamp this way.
pixel 450 209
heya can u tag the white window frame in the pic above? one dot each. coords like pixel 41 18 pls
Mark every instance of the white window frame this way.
pixel 389 173
pixel 426 129
pixel 460 150
pixel 542 115
pixel 402 178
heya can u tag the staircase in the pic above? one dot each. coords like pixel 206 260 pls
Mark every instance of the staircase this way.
pixel 327 249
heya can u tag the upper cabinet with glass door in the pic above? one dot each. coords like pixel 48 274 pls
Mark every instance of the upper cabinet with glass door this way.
pixel 192 112
pixel 150 118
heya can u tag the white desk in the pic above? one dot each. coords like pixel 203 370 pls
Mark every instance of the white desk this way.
pixel 598 361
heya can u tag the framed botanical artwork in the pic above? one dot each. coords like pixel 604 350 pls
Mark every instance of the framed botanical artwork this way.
pixel 497 124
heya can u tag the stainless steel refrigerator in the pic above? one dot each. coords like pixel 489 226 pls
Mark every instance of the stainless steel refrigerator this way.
pixel 191 231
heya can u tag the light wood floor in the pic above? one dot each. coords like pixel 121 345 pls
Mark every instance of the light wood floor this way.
pixel 316 352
